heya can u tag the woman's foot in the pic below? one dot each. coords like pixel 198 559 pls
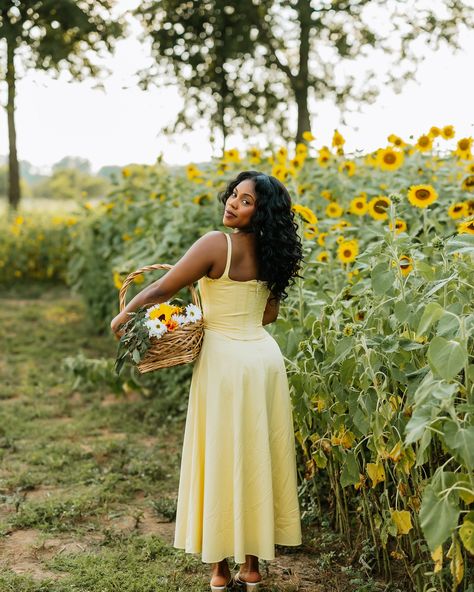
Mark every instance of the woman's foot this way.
pixel 249 571
pixel 221 575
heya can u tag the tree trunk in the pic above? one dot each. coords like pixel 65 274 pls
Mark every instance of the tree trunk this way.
pixel 300 85
pixel 13 168
pixel 304 123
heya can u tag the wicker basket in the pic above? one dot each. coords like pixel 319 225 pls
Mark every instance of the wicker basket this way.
pixel 177 347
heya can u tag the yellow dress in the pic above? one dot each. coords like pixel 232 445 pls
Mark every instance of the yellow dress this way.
pixel 238 482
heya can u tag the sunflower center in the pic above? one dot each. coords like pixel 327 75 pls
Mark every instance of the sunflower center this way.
pixel 464 144
pixel 347 253
pixel 422 194
pixel 424 141
pixel 470 181
pixel 380 206
pixel 457 208
pixel 390 158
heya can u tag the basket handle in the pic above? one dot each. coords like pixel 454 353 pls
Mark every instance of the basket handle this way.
pixel 129 279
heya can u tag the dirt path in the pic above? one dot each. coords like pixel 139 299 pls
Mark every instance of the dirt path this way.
pixel 88 479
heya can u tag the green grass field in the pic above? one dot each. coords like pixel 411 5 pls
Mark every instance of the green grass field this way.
pixel 88 479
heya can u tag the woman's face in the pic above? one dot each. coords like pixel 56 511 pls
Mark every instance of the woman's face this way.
pixel 240 205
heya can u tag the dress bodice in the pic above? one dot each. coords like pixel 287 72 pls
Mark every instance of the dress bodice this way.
pixel 233 307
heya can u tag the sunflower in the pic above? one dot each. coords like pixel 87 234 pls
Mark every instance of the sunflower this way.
pixel 334 210
pixel 303 188
pixel 457 210
pixel 297 162
pixel 377 207
pixel 434 131
pixel 323 256
pixel 301 149
pixel 352 274
pixel 327 194
pixel 280 172
pixel 466 227
pixel 396 140
pixel 162 311
pixel 232 155
pixel 448 132
pixel 311 231
pixel 358 206
pixel 470 168
pixel 371 159
pixel 422 196
pixel 400 226
pixel 389 159
pixel 306 213
pixel 118 282
pixel 470 206
pixel 340 239
pixel 308 136
pixel 348 251
pixel 282 154
pixel 340 225
pixel 348 167
pixel 255 155
pixel 406 264
pixel 468 183
pixel 192 172
pixel 424 143
pixel 324 156
pixel 322 238
pixel 463 149
pixel 337 139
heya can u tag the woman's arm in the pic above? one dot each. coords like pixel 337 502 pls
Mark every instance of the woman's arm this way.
pixel 270 313
pixel 194 264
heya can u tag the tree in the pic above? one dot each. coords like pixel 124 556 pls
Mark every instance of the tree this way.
pixel 73 162
pixel 246 63
pixel 73 184
pixel 52 35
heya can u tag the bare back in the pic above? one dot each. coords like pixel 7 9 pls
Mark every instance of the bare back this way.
pixel 243 264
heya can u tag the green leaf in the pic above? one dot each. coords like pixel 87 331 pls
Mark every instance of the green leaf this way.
pixel 466 532
pixel 382 278
pixel 439 513
pixel 425 270
pixel 446 357
pixel 460 440
pixel 462 243
pixel 350 470
pixel 432 313
pixel 402 311
pixel 136 356
pixel 416 426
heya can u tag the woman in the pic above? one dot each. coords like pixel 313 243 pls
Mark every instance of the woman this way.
pixel 238 483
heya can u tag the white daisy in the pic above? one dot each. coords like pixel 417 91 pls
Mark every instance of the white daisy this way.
pixel 156 328
pixel 180 319
pixel 193 313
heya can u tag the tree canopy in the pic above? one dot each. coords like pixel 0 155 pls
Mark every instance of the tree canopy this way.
pixel 252 64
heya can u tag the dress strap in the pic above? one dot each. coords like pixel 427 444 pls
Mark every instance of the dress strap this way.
pixel 229 255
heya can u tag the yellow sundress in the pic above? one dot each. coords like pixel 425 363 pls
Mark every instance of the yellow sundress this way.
pixel 238 482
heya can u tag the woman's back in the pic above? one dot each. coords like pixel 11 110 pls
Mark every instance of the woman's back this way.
pixel 234 307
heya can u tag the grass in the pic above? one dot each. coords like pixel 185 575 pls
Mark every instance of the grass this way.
pixel 89 478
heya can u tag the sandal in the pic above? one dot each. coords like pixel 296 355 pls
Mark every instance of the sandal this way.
pixel 247 586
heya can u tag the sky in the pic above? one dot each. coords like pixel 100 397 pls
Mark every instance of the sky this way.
pixel 56 118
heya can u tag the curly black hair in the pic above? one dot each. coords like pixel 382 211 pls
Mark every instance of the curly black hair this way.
pixel 278 245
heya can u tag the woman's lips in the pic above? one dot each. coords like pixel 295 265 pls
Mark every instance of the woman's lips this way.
pixel 230 214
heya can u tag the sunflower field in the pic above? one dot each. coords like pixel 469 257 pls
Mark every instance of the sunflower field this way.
pixel 378 333
pixel 35 247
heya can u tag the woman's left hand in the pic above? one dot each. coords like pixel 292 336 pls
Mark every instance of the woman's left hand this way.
pixel 120 319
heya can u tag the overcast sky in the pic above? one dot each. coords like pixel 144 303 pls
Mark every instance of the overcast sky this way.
pixel 55 118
